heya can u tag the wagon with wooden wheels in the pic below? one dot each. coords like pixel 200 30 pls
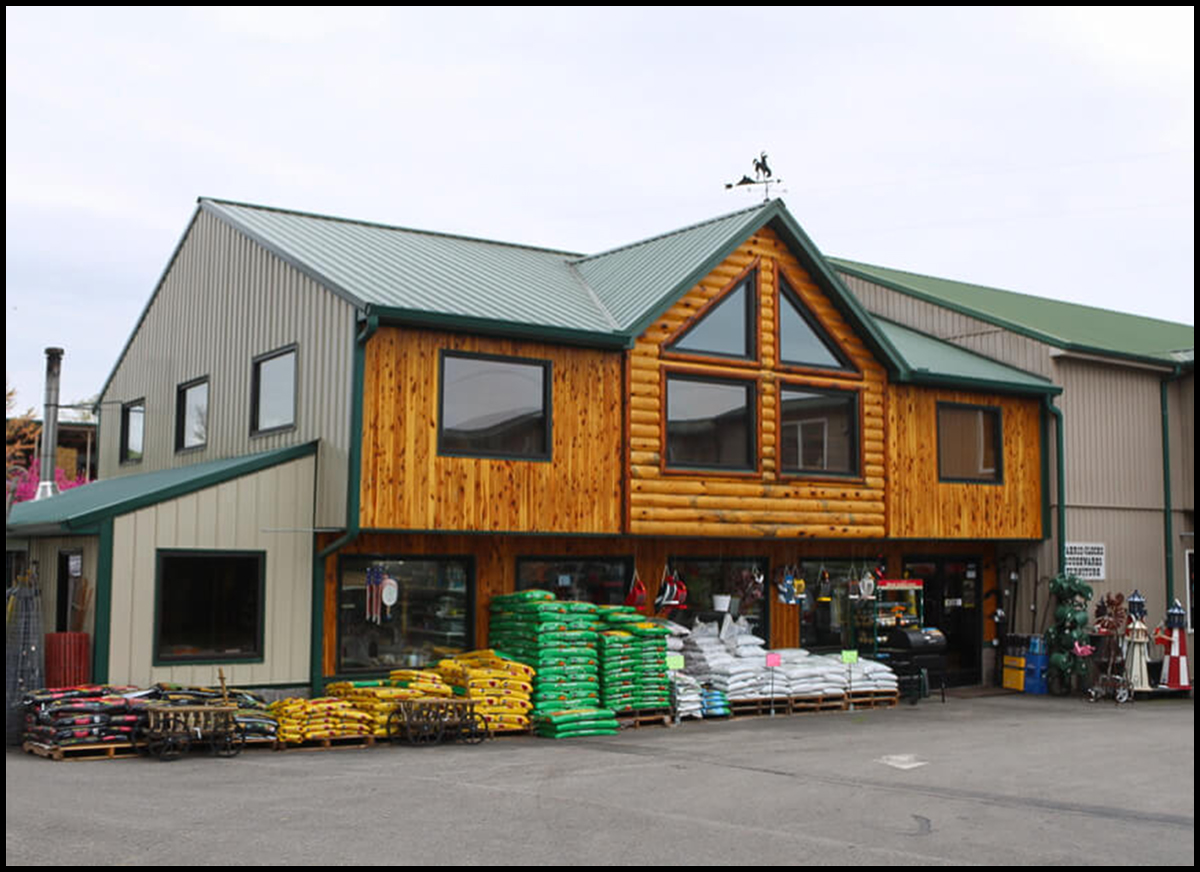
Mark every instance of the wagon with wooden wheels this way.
pixel 172 730
pixel 430 721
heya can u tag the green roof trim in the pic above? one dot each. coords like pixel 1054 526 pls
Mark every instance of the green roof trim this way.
pixel 1070 326
pixel 935 362
pixel 87 508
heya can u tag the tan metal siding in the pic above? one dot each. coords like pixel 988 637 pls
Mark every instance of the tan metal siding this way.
pixel 946 324
pixel 1113 434
pixel 1181 402
pixel 269 511
pixel 45 553
pixel 224 301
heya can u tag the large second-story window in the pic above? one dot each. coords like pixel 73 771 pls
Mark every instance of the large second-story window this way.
pixel 133 431
pixel 191 415
pixel 710 423
pixel 969 443
pixel 818 431
pixel 494 406
pixel 273 391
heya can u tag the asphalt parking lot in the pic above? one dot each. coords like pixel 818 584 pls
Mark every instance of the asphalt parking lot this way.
pixel 988 780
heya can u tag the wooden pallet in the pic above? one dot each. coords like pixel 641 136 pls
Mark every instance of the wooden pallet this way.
pixel 861 699
pixel 741 708
pixel 109 751
pixel 808 704
pixel 330 744
pixel 635 718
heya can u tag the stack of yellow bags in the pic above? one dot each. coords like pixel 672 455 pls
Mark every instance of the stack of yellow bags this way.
pixel 501 688
pixel 326 717
pixel 376 698
pixel 428 682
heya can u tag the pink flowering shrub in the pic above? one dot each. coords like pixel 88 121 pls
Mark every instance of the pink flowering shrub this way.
pixel 27 481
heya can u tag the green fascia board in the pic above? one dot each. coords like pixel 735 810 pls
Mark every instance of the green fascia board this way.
pixel 933 361
pixel 1003 308
pixel 86 508
pixel 494 327
pixel 776 214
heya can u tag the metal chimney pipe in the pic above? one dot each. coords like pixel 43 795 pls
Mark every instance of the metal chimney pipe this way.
pixel 49 452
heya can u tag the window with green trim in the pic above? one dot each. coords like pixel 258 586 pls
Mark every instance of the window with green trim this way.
pixel 494 406
pixel 209 606
pixel 818 431
pixel 711 423
pixel 728 328
pixel 970 443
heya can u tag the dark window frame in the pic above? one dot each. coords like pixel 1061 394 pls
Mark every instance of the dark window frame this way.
pixel 255 387
pixel 259 656
pixel 800 473
pixel 472 605
pixel 123 449
pixel 181 415
pixel 750 277
pixel 848 369
pixel 547 405
pixel 753 432
pixel 998 434
pixel 627 560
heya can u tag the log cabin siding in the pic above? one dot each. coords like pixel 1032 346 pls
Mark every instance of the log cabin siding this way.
pixel 762 502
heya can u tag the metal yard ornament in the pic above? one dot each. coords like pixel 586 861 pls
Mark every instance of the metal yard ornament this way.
pixel 763 177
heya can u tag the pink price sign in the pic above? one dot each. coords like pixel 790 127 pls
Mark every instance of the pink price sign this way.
pixel 774 660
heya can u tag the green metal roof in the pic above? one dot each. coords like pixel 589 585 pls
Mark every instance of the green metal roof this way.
pixel 1071 326
pixel 934 362
pixel 79 509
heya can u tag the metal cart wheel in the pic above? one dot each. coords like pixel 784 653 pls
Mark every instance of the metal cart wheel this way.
pixel 229 743
pixel 473 729
pixel 423 729
pixel 169 747
pixel 396 723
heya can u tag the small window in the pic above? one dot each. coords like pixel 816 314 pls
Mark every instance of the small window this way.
pixel 191 415
pixel 599 580
pixel 725 329
pixel 803 342
pixel 210 606
pixel 969 443
pixel 133 429
pixel 273 392
pixel 403 611
pixel 818 431
pixel 710 423
pixel 495 407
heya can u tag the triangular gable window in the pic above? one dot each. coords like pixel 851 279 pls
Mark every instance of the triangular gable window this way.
pixel 725 329
pixel 802 340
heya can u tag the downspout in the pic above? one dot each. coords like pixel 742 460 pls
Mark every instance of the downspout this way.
pixel 1061 481
pixel 353 497
pixel 1168 521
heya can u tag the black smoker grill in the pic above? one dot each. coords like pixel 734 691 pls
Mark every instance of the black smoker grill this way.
pixel 918 657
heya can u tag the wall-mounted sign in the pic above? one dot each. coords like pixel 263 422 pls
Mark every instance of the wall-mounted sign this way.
pixel 1085 560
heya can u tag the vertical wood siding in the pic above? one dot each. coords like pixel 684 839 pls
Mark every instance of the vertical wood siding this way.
pixel 45 552
pixel 920 505
pixel 407 485
pixel 225 300
pixel 766 504
pixel 269 511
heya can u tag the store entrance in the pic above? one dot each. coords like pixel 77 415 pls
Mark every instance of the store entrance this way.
pixel 953 592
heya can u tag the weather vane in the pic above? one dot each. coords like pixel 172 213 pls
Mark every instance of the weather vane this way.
pixel 762 176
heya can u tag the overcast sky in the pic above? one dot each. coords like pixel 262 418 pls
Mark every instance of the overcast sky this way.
pixel 1045 151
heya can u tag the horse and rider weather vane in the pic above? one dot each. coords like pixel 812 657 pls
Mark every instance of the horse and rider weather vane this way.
pixel 762 177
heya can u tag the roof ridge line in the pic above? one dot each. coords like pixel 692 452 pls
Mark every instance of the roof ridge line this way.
pixel 381 226
pixel 675 232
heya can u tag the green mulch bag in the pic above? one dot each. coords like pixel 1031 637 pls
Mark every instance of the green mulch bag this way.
pixel 579 733
pixel 546 607
pixel 522 596
pixel 579 714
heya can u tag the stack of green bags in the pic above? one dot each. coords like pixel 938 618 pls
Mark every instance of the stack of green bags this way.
pixel 633 661
pixel 576 722
pixel 558 639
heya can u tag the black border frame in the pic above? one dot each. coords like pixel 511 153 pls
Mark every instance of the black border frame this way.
pixel 547 404
pixel 180 390
pixel 998 430
pixel 255 382
pixel 123 457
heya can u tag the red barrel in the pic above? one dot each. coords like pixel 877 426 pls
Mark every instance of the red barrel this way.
pixel 68 659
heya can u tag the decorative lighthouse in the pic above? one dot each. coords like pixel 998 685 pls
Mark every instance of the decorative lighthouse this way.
pixel 1174 642
pixel 1138 643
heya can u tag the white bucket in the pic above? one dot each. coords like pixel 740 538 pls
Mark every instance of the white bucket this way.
pixel 721 602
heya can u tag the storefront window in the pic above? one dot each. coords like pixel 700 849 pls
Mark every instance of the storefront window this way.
pixel 829 606
pixel 209 606
pixel 599 580
pixel 743 579
pixel 402 612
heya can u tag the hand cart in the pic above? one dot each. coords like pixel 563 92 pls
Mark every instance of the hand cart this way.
pixel 172 729
pixel 429 721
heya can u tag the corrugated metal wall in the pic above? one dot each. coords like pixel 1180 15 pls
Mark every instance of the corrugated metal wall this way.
pixel 224 301
pixel 267 511
pixel 963 330
pixel 45 552
pixel 1181 401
